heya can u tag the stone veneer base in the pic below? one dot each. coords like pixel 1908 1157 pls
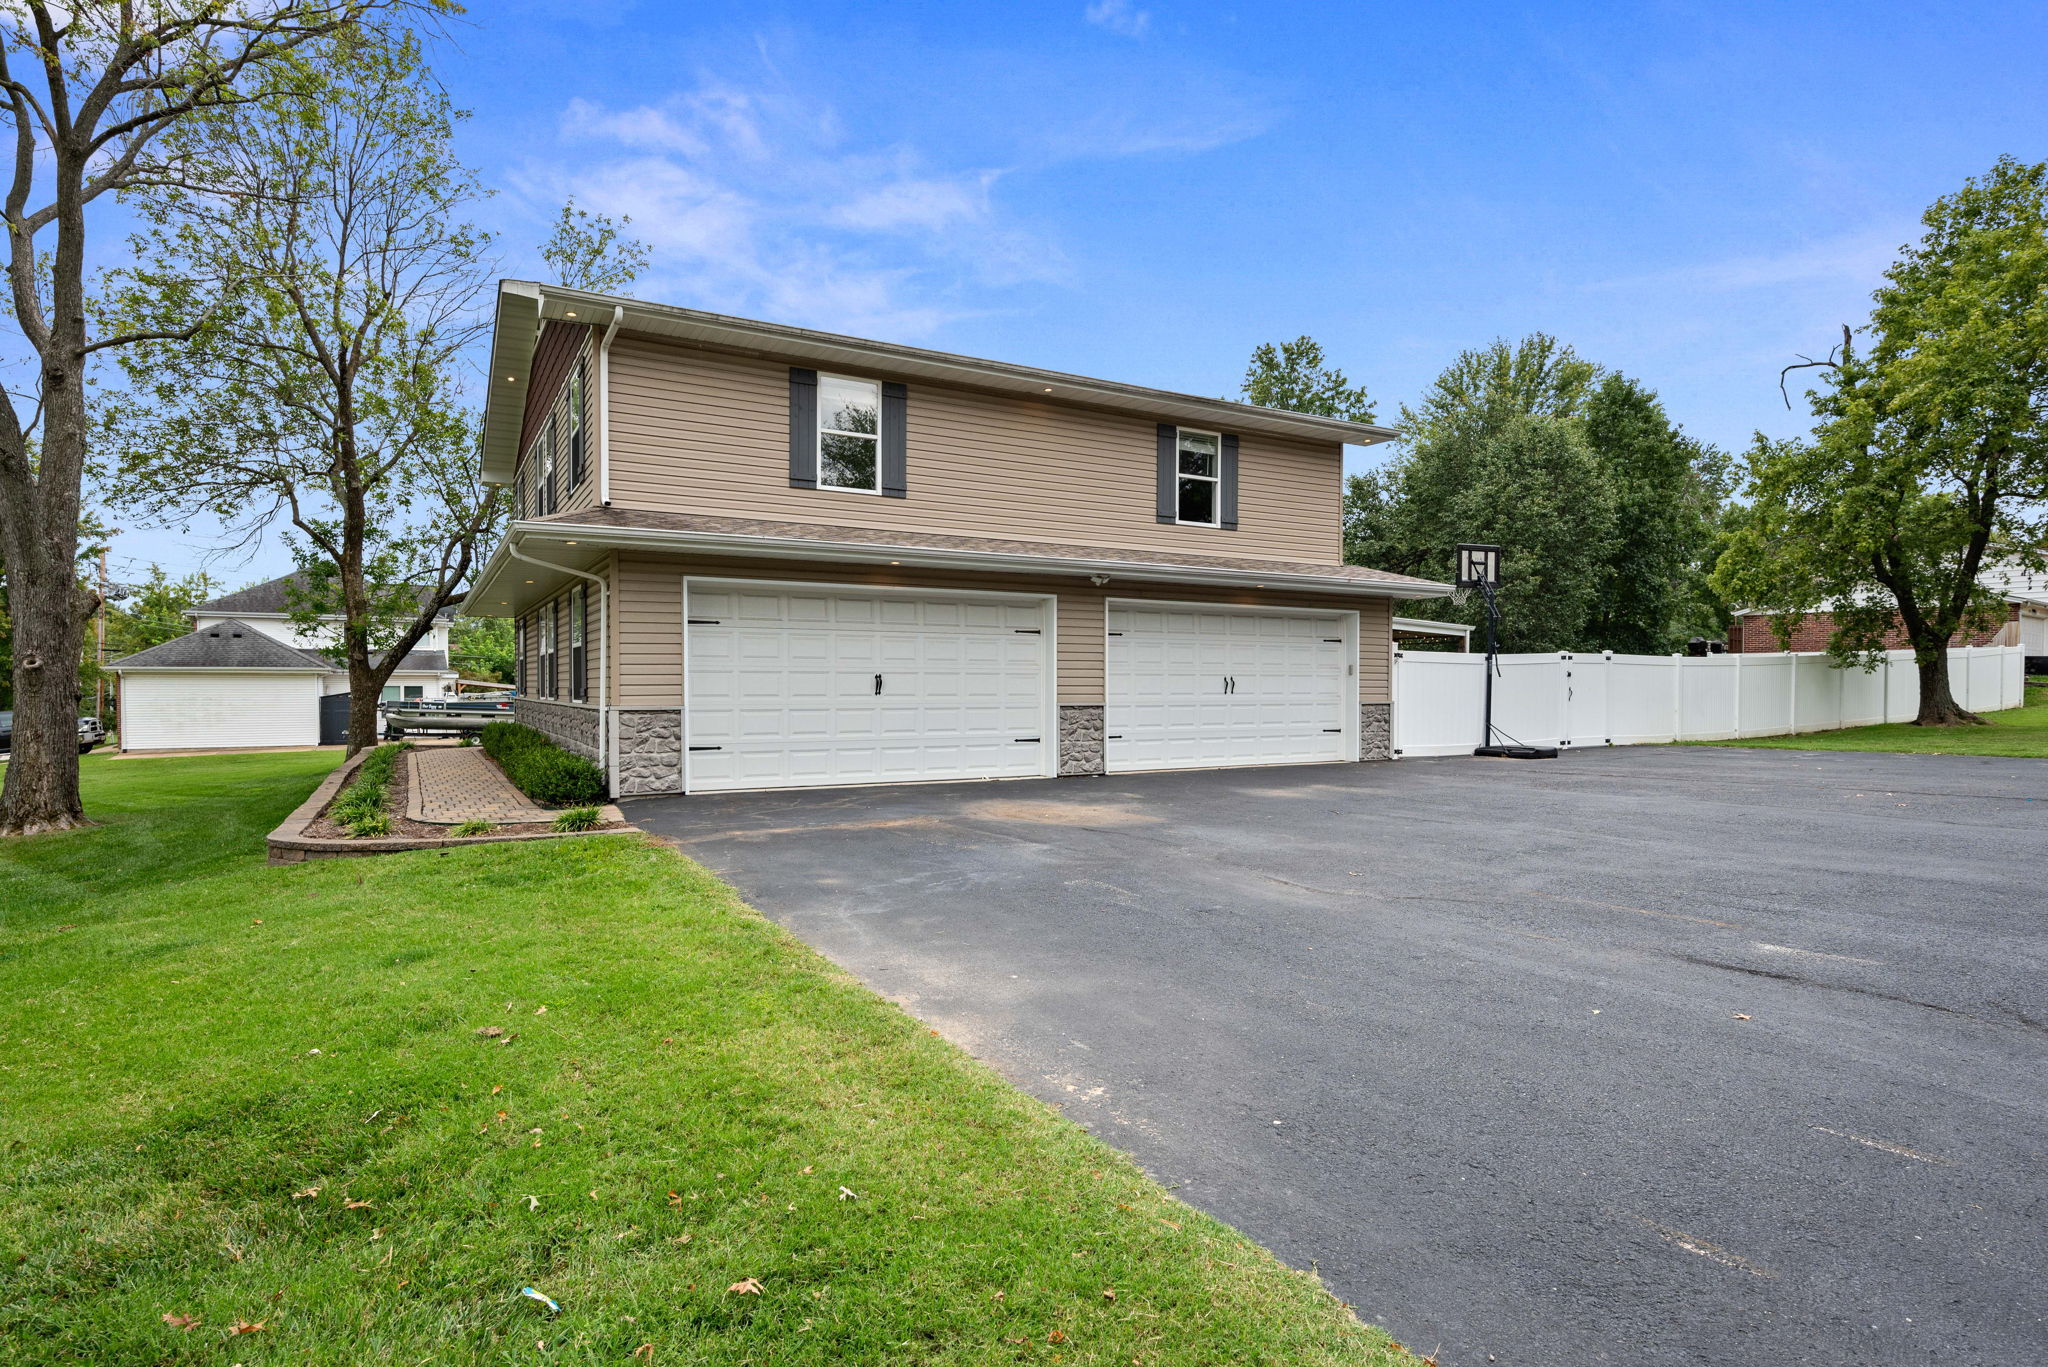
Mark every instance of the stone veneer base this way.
pixel 1375 730
pixel 1081 746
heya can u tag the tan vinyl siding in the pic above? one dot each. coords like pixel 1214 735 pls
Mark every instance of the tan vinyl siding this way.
pixel 649 606
pixel 564 350
pixel 708 432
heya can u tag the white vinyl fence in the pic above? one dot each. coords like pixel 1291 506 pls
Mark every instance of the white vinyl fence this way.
pixel 1606 699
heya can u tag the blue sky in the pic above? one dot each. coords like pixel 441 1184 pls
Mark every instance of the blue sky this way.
pixel 1146 189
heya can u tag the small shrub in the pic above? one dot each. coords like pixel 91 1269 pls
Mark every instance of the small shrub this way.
pixel 467 738
pixel 375 824
pixel 538 768
pixel 368 794
pixel 579 819
pixel 474 826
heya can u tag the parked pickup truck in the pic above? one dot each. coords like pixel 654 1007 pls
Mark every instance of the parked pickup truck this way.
pixel 443 716
pixel 90 733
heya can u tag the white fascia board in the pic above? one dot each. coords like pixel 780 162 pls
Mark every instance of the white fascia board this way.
pixel 214 669
pixel 986 561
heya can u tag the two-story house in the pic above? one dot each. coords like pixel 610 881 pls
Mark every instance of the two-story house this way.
pixel 249 676
pixel 746 555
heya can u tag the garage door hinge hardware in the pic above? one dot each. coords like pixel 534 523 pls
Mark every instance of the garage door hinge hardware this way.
pixel 703 621
pixel 1333 640
pixel 1116 633
pixel 1333 730
pixel 1112 737
pixel 1026 631
pixel 707 747
pixel 1025 740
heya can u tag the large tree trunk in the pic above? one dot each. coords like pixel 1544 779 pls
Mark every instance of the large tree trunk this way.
pixel 1938 706
pixel 50 612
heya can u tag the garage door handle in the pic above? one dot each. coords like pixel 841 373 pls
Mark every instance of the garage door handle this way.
pixel 878 685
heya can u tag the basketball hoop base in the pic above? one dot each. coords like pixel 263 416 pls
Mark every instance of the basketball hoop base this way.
pixel 1516 752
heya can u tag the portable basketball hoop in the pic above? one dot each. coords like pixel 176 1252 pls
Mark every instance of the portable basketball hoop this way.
pixel 1478 571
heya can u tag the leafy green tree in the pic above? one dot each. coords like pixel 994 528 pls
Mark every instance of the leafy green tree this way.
pixel 156 610
pixel 1296 376
pixel 482 647
pixel 329 280
pixel 592 252
pixel 1537 377
pixel 1668 490
pixel 1931 449
pixel 89 89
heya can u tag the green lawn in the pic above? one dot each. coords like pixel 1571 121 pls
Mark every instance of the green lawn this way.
pixel 363 1103
pixel 2021 732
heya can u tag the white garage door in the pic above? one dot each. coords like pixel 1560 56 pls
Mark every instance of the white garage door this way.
pixel 802 687
pixel 203 710
pixel 1199 688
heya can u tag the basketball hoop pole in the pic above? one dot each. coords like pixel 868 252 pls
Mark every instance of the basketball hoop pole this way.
pixel 1492 648
pixel 1478 567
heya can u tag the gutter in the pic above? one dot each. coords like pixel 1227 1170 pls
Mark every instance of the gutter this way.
pixel 607 728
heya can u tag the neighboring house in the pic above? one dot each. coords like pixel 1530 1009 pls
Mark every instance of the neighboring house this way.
pixel 753 556
pixel 2026 621
pixel 248 677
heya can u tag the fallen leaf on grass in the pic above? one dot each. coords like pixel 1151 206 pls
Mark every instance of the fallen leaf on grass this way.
pixel 497 1088
pixel 490 1031
pixel 998 1296
pixel 1055 1337
pixel 846 1194
pixel 306 1194
pixel 186 1322
pixel 674 1200
pixel 748 1286
pixel 1108 1293
pixel 356 1205
pixel 244 1327
pixel 645 1352
pixel 533 1203
pixel 540 1010
pixel 806 1172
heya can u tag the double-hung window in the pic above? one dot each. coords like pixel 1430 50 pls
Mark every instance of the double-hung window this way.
pixel 544 451
pixel 519 655
pixel 849 434
pixel 572 417
pixel 1200 476
pixel 548 677
pixel 579 678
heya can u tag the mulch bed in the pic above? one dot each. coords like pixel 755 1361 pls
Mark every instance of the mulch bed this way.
pixel 404 827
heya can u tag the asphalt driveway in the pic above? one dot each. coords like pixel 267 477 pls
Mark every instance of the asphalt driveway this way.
pixel 1639 1056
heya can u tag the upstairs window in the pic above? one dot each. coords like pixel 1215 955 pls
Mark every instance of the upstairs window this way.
pixel 1200 477
pixel 572 418
pixel 544 466
pixel 849 434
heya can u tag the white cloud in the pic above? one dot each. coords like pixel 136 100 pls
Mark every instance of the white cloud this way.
pixel 1120 16
pixel 1855 257
pixel 755 201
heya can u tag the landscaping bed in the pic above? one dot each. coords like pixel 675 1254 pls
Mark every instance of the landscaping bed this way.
pixel 327 825
pixel 350 1112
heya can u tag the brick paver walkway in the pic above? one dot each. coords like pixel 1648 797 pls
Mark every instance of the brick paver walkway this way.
pixel 451 784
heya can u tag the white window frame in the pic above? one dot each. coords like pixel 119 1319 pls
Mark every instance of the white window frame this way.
pixel 818 438
pixel 550 677
pixel 1215 481
pixel 544 500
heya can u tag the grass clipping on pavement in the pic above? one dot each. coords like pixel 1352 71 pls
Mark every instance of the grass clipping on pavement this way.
pixel 349 1111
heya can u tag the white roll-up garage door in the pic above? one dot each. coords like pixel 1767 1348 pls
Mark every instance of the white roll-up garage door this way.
pixel 1202 688
pixel 801 686
pixel 192 709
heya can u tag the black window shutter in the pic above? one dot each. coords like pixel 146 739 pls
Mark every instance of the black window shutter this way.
pixel 803 428
pixel 1169 472
pixel 576 417
pixel 1227 485
pixel 894 442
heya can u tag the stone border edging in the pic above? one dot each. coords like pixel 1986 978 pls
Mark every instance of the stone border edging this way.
pixel 289 843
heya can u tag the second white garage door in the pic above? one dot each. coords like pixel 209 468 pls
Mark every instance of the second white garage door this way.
pixel 803 687
pixel 1193 688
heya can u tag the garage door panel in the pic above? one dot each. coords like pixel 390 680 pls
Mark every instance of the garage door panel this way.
pixel 1195 689
pixel 208 710
pixel 784 684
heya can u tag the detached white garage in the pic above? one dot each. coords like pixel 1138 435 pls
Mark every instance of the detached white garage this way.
pixel 226 687
pixel 790 685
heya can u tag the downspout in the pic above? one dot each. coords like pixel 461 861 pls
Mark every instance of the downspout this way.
pixel 604 407
pixel 607 741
